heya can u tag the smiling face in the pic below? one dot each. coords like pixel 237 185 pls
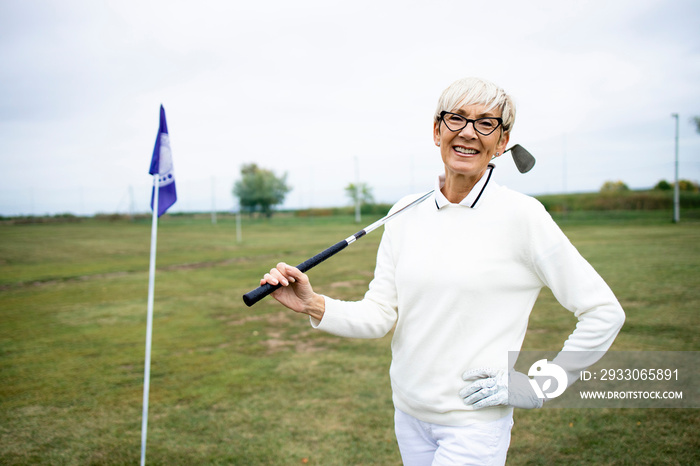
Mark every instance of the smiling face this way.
pixel 467 153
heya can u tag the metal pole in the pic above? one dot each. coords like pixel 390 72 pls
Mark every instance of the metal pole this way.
pixel 676 186
pixel 213 200
pixel 358 215
pixel 564 163
pixel 131 202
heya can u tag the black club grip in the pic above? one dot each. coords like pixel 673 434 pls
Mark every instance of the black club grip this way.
pixel 260 292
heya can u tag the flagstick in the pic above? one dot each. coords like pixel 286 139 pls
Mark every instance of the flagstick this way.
pixel 149 326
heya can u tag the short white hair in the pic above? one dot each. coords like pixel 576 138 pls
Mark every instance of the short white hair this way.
pixel 477 91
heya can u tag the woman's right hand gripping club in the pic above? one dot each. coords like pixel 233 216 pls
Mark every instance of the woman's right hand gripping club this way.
pixel 296 292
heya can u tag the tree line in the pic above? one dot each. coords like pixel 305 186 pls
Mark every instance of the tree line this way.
pixel 260 190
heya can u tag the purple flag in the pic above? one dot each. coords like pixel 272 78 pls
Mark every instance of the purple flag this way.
pixel 162 165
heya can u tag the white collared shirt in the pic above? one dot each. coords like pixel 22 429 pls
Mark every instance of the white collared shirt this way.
pixel 473 196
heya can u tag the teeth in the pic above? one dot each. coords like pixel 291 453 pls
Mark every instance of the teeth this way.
pixel 462 150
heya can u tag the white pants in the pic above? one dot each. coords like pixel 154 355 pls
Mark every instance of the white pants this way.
pixel 425 444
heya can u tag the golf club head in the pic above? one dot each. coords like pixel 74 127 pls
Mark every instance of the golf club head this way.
pixel 522 158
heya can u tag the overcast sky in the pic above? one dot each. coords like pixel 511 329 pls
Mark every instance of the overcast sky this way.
pixel 319 88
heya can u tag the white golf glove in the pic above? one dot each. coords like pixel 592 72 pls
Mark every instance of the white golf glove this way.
pixel 491 389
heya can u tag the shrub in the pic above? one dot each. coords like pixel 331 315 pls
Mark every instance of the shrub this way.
pixel 614 187
pixel 663 185
pixel 688 186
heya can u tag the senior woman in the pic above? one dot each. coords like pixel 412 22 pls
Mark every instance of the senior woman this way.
pixel 459 274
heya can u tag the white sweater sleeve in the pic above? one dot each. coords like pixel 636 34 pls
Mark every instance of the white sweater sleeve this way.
pixel 581 290
pixel 375 315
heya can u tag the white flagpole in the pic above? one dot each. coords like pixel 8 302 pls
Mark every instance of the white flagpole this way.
pixel 149 326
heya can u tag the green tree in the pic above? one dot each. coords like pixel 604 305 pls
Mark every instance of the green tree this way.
pixel 696 120
pixel 364 192
pixel 614 187
pixel 687 185
pixel 683 185
pixel 260 188
pixel 663 185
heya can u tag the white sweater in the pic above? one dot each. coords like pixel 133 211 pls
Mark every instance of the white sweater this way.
pixel 460 283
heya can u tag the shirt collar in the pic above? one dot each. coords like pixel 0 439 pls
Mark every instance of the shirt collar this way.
pixel 473 196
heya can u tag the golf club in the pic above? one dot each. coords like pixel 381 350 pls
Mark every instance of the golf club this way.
pixel 260 292
pixel 524 161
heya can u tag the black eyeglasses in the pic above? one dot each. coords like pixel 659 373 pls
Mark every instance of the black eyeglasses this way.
pixel 483 126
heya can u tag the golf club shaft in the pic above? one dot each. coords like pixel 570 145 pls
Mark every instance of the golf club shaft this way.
pixel 260 292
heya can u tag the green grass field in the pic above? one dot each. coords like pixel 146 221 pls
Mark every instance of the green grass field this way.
pixel 248 386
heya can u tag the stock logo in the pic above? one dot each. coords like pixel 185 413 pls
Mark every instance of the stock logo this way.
pixel 544 372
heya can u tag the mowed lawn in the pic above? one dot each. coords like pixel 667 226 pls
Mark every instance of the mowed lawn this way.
pixel 247 386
